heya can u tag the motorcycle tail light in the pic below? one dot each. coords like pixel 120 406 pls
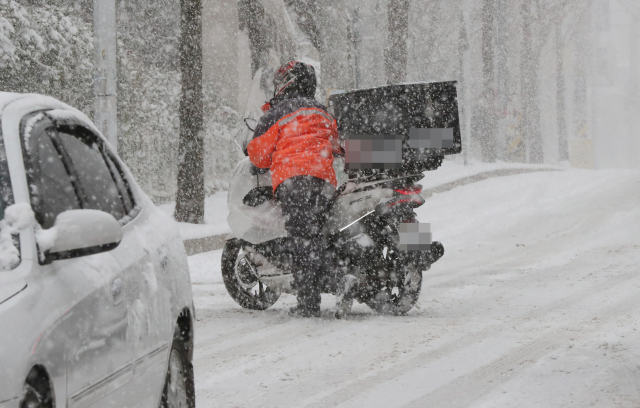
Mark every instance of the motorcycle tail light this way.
pixel 410 190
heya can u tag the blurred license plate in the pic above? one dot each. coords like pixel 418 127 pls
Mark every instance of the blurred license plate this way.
pixel 414 237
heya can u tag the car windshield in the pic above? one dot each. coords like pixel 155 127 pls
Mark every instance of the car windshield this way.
pixel 257 97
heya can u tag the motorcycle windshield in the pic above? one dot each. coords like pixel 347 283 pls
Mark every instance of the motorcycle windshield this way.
pixel 253 111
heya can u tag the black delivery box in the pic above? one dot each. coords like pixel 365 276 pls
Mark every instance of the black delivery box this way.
pixel 398 127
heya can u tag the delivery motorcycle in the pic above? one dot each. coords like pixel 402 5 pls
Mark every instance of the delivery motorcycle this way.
pixel 363 233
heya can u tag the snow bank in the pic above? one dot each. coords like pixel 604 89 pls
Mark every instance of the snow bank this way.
pixel 216 211
pixel 452 170
pixel 215 218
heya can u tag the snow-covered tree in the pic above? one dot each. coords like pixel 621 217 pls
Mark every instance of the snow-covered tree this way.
pixel 46 49
pixel 149 87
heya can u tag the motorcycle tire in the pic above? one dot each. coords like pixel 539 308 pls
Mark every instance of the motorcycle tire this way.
pixel 260 299
pixel 397 299
pixel 398 295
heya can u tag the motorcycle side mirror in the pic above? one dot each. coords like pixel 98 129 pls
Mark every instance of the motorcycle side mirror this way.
pixel 250 124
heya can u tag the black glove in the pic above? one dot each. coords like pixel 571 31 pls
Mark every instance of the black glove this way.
pixel 258 195
pixel 255 171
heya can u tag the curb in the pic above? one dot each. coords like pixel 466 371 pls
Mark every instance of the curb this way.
pixel 206 244
pixel 479 177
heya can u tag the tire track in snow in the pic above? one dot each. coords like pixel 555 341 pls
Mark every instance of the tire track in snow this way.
pixel 235 335
pixel 467 388
pixel 367 382
pixel 470 387
pixel 257 345
pixel 260 350
pixel 251 337
pixel 243 339
pixel 204 346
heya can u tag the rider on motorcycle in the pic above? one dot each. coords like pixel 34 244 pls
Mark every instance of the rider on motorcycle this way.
pixel 296 139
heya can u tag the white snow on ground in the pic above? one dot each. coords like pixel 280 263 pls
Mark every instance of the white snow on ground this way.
pixel 533 305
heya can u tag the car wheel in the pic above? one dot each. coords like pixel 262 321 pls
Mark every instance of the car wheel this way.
pixel 178 389
pixel 37 390
pixel 32 398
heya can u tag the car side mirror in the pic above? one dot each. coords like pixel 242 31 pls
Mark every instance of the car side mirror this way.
pixel 78 233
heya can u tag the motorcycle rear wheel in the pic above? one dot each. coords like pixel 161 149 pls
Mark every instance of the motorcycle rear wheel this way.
pixel 259 297
pixel 397 298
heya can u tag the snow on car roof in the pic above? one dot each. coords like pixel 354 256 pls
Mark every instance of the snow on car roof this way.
pixel 71 115
pixel 41 101
pixel 55 109
pixel 8 97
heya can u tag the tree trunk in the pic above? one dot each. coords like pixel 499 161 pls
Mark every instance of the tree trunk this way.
pixel 529 64
pixel 396 53
pixel 251 19
pixel 333 25
pixel 353 56
pixel 633 103
pixel 307 11
pixel 502 56
pixel 563 143
pixel 105 69
pixel 463 86
pixel 487 134
pixel 190 197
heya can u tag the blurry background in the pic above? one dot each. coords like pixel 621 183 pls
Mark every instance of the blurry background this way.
pixel 540 81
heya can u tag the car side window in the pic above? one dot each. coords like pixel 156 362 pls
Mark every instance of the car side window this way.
pixel 95 180
pixel 50 183
pixel 121 183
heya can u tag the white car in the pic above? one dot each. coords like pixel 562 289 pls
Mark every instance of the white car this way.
pixel 96 308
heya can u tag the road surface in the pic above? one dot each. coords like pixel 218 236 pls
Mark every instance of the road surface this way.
pixel 535 304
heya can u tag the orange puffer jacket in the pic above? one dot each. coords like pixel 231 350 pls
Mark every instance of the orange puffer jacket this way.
pixel 297 137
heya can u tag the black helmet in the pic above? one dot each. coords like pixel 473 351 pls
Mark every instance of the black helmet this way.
pixel 294 77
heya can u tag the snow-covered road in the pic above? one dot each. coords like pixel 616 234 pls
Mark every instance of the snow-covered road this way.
pixel 535 304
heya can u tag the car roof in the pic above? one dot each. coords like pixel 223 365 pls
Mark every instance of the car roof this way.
pixel 8 97
pixel 56 109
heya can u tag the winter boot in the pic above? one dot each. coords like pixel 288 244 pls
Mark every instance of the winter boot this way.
pixel 308 296
pixel 302 311
pixel 308 303
pixel 344 295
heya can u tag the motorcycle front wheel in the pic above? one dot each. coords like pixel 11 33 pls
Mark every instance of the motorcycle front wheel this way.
pixel 249 292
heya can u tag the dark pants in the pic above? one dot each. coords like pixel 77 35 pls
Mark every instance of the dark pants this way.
pixel 305 201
